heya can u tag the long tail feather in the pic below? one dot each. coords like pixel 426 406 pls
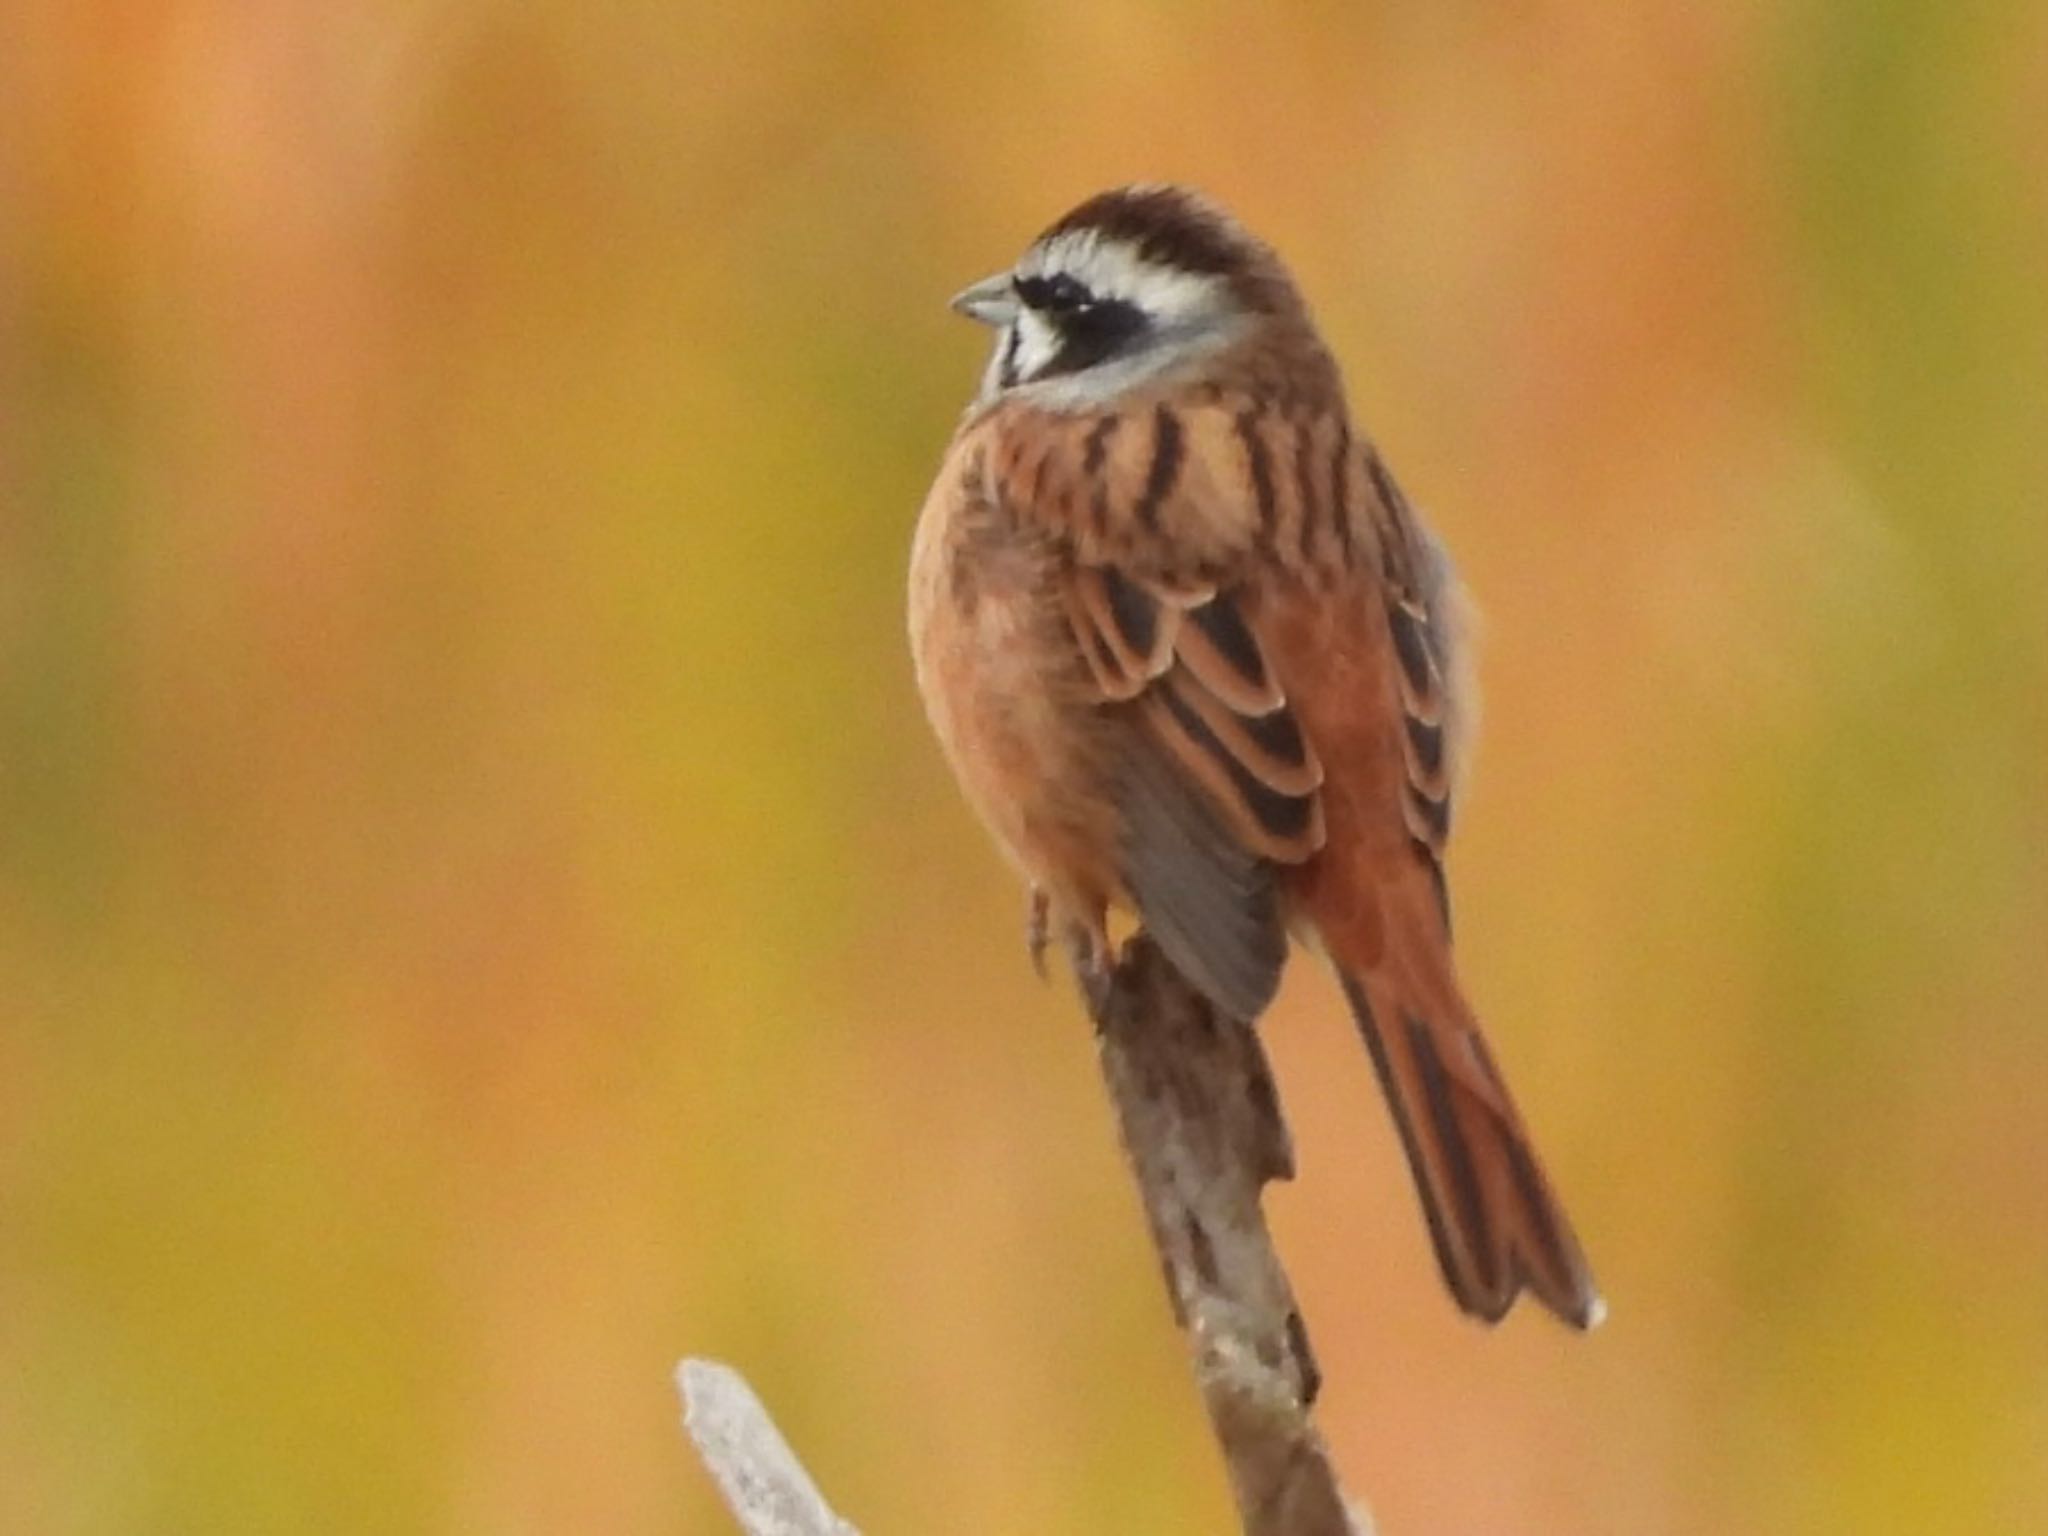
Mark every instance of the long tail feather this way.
pixel 1496 1225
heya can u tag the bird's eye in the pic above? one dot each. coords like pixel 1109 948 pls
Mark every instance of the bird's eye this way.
pixel 1059 294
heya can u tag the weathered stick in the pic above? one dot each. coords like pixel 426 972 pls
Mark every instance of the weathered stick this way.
pixel 1201 1123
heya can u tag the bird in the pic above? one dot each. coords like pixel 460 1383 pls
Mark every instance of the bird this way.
pixel 1195 658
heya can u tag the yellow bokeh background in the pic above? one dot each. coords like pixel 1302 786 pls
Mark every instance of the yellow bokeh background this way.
pixel 481 916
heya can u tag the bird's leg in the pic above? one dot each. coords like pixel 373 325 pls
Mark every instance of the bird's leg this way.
pixel 1086 944
pixel 1037 929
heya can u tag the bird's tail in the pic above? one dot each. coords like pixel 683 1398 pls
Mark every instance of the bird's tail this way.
pixel 1493 1218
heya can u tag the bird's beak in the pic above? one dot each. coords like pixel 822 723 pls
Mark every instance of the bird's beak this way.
pixel 992 301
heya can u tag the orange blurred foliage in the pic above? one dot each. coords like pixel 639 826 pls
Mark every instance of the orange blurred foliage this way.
pixel 480 916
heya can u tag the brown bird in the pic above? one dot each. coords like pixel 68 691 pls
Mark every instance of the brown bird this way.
pixel 1193 655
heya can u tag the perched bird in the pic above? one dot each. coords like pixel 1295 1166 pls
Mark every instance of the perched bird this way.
pixel 1193 655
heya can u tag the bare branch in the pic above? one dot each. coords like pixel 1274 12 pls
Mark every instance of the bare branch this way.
pixel 1201 1124
pixel 765 1486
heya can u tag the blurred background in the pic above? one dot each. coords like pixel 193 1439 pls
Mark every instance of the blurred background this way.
pixel 481 917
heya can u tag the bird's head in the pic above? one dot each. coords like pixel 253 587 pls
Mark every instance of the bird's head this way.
pixel 1130 285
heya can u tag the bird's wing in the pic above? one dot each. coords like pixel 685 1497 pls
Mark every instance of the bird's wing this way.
pixel 1216 783
pixel 1368 672
pixel 1423 605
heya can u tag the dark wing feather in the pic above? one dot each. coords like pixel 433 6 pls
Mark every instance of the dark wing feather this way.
pixel 1220 783
pixel 1208 901
pixel 1418 589
pixel 1120 628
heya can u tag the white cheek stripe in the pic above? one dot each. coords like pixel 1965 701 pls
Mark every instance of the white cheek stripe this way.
pixel 1091 387
pixel 1037 343
pixel 1111 269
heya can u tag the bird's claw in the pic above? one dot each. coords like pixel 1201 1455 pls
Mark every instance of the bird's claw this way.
pixel 1087 947
pixel 1038 929
pixel 1094 972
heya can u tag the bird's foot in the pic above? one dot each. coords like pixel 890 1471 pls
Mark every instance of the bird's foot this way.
pixel 1094 968
pixel 1086 944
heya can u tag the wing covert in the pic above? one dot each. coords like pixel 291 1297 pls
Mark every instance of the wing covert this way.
pixel 1425 618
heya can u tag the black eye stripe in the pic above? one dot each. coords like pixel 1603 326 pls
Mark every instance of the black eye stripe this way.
pixel 1086 328
pixel 1091 335
pixel 1060 293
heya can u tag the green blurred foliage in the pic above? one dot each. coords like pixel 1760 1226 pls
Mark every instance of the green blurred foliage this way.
pixel 480 916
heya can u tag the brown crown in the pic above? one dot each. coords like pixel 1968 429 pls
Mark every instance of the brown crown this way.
pixel 1175 227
